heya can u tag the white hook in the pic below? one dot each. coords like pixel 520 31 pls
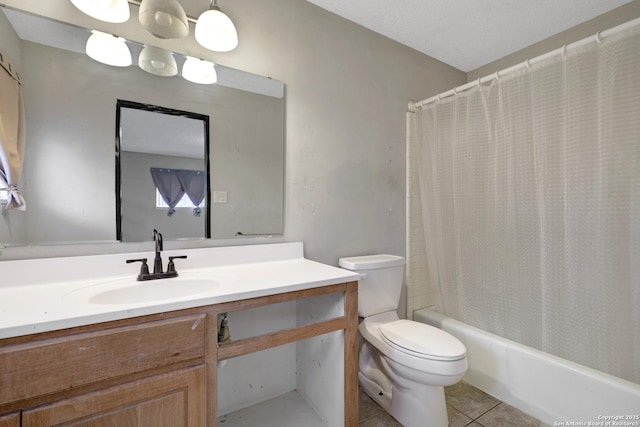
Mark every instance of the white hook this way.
pixel 528 64
pixel 598 38
pixel 564 52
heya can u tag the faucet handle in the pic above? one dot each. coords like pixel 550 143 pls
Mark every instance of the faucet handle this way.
pixel 171 267
pixel 144 268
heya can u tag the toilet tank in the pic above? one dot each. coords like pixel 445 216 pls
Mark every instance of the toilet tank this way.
pixel 380 282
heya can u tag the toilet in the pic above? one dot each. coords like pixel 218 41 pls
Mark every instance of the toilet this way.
pixel 403 365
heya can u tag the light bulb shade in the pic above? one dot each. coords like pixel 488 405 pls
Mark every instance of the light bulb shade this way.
pixel 158 61
pixel 199 71
pixel 215 31
pixel 115 11
pixel 165 19
pixel 108 49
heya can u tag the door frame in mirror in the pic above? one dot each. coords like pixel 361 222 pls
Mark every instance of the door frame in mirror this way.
pixel 170 111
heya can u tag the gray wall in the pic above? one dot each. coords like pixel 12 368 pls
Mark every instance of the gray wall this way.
pixel 603 22
pixel 347 94
pixel 10 45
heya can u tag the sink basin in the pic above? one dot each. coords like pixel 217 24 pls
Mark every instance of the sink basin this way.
pixel 130 291
pixel 154 290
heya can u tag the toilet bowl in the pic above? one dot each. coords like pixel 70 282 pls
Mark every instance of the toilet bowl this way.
pixel 403 365
pixel 416 371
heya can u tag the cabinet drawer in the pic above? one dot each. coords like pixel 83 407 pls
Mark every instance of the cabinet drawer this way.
pixel 51 365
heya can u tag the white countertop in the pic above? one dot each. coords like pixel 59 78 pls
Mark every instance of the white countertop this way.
pixel 50 294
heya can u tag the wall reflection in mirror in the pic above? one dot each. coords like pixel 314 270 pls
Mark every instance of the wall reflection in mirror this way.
pixel 69 175
pixel 161 184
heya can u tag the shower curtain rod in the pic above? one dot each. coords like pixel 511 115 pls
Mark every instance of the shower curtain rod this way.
pixel 414 106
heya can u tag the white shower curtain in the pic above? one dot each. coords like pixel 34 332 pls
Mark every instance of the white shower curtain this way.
pixel 529 191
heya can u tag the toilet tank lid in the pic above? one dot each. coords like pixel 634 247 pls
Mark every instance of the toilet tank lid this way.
pixel 370 262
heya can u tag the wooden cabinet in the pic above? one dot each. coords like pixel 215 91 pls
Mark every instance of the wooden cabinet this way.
pixel 151 371
pixel 175 399
pixel 46 366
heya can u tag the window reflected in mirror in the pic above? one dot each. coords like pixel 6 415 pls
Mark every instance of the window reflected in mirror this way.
pixel 162 155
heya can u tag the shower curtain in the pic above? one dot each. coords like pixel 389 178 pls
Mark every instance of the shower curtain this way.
pixel 527 192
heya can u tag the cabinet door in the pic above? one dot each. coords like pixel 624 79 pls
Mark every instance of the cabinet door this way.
pixel 175 399
pixel 10 420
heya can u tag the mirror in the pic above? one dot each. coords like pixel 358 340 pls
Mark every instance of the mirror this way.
pixel 161 184
pixel 69 174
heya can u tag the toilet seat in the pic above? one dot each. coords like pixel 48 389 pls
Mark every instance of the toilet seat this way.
pixel 423 341
pixel 370 329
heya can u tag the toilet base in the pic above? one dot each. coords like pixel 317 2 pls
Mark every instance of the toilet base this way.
pixel 410 408
pixel 413 404
pixel 375 392
pixel 419 407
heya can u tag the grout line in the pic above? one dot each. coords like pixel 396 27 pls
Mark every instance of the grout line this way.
pixel 486 412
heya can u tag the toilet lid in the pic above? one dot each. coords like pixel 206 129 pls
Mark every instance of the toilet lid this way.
pixel 423 340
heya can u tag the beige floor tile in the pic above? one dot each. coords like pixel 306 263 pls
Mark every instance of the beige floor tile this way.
pixel 506 415
pixel 380 421
pixel 465 404
pixel 457 418
pixel 368 407
pixel 469 400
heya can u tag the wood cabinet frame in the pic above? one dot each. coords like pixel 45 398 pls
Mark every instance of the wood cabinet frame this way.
pixel 211 354
pixel 347 322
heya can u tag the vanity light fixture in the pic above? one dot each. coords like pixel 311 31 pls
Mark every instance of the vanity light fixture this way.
pixel 114 11
pixel 199 71
pixel 157 61
pixel 165 19
pixel 215 31
pixel 108 49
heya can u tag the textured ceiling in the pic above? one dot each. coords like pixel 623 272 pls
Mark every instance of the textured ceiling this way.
pixel 468 34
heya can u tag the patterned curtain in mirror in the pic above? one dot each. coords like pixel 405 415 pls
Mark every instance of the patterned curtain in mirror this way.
pixel 194 185
pixel 169 186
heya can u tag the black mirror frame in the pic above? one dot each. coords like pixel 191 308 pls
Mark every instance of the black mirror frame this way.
pixel 154 108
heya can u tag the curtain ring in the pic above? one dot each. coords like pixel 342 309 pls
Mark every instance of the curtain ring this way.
pixel 478 82
pixel 497 75
pixel 563 54
pixel 527 63
pixel 455 90
pixel 598 38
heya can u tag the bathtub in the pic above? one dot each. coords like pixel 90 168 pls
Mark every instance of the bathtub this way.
pixel 552 389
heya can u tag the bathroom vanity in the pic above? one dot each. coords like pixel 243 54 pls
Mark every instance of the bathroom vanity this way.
pixel 87 347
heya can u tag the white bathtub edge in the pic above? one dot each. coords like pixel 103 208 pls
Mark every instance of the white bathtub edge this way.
pixel 544 386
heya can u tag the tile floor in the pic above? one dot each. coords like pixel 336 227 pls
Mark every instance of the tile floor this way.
pixel 466 406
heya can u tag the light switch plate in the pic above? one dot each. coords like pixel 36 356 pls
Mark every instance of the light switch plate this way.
pixel 219 196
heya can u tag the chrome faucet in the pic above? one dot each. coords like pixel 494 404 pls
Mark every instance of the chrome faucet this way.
pixel 157 262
